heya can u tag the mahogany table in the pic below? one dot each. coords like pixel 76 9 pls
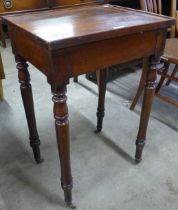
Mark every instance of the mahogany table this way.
pixel 73 41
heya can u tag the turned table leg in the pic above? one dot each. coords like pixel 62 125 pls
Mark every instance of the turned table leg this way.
pixel 27 97
pixel 63 141
pixel 146 106
pixel 101 80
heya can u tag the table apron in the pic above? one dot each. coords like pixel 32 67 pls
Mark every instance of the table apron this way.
pixel 60 65
pixel 88 57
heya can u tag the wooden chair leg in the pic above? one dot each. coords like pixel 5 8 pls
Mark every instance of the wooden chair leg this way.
pixel 2 35
pixel 162 79
pixel 101 80
pixel 141 84
pixel 172 75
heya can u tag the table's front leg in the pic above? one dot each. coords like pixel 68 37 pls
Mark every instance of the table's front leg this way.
pixel 146 106
pixel 27 97
pixel 63 140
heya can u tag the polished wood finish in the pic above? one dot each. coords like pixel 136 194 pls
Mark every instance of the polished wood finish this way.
pixel 170 56
pixel 81 40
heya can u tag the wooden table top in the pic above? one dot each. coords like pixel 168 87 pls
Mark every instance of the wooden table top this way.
pixel 61 28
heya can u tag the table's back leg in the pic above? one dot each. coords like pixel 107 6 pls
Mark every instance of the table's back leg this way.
pixel 27 97
pixel 101 80
pixel 63 141
pixel 146 106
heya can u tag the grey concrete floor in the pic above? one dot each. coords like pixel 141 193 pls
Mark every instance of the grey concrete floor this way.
pixel 105 175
